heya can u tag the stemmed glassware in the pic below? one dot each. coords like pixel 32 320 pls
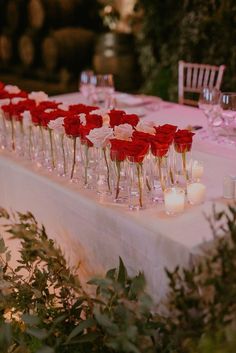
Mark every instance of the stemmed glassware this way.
pixel 209 103
pixel 86 85
pixel 103 90
pixel 228 115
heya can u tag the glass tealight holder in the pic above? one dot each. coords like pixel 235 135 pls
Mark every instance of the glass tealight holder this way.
pixel 196 193
pixel 174 200
pixel 197 170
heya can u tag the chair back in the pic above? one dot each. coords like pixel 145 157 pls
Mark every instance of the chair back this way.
pixel 193 77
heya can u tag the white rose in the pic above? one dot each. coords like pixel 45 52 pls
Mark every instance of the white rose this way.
pixel 99 111
pixel 82 118
pixel 147 127
pixel 5 101
pixel 100 136
pixel 38 96
pixel 27 118
pixel 17 100
pixel 57 125
pixel 123 132
pixel 12 89
pixel 64 106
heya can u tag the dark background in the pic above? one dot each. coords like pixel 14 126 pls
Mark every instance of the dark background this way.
pixel 44 44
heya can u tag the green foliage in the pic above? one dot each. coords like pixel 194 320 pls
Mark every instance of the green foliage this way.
pixel 48 311
pixel 191 30
pixel 44 308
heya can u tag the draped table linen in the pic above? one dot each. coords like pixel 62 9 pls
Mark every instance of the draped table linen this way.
pixel 93 233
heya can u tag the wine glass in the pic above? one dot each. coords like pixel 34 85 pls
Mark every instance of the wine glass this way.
pixel 209 103
pixel 103 90
pixel 228 115
pixel 85 84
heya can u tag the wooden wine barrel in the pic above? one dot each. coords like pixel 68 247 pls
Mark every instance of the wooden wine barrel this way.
pixel 71 48
pixel 52 13
pixel 8 45
pixel 115 53
pixel 29 48
pixel 16 14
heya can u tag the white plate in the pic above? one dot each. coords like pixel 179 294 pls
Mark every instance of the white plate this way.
pixel 128 100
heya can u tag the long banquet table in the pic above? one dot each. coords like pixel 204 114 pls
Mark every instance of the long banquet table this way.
pixel 94 233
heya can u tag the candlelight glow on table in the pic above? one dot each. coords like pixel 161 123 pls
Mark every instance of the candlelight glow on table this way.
pixel 174 199
pixel 196 193
pixel 197 170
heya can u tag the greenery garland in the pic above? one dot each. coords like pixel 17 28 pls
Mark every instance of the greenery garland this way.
pixel 44 308
pixel 191 30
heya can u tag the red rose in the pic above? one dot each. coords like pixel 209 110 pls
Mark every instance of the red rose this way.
pixel 136 150
pixel 117 150
pixel 142 136
pixel 163 138
pixel 81 108
pixel 20 107
pixel 94 119
pixel 1 86
pixel 115 117
pixel 8 110
pixel 4 94
pixel 47 105
pixel 84 130
pixel 131 119
pixel 46 117
pixel 166 129
pixel 159 149
pixel 183 140
pixel 72 126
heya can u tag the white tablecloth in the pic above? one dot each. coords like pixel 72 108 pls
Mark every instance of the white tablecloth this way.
pixel 94 234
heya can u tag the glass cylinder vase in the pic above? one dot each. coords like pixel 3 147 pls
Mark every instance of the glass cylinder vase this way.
pixel 104 180
pixel 136 196
pixel 182 164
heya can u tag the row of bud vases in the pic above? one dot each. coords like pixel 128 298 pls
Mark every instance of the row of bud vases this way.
pixel 135 170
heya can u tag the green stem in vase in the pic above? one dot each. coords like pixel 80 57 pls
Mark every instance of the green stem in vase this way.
pixel 63 153
pixel 86 164
pixel 42 138
pixel 51 148
pixel 160 173
pixel 148 184
pixel 30 142
pixel 184 165
pixel 74 158
pixel 171 176
pixel 139 168
pixel 108 169
pixel 118 179
pixel 12 135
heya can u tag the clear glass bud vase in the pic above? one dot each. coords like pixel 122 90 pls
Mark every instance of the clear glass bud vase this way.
pixel 19 137
pixel 39 144
pixel 62 144
pixel 136 196
pixel 103 171
pixel 50 160
pixel 30 141
pixel 89 163
pixel 3 142
pixel 10 133
pixel 74 160
pixel 119 177
pixel 182 164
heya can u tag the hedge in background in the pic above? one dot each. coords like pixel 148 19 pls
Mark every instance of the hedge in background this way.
pixel 191 30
